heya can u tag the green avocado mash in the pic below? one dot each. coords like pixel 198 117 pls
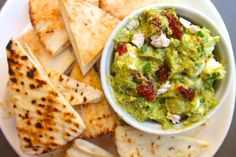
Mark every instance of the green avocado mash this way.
pixel 164 69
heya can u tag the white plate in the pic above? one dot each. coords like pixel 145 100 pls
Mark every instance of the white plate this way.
pixel 14 18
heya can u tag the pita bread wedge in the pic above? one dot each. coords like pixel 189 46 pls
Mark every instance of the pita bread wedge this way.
pixel 59 63
pixel 45 121
pixel 99 118
pixel 46 20
pixel 122 8
pixel 82 148
pixel 94 2
pixel 133 143
pixel 76 93
pixel 88 27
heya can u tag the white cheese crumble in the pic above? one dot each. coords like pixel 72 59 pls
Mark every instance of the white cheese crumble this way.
pixel 138 39
pixel 175 118
pixel 200 70
pixel 194 28
pixel 132 55
pixel 132 24
pixel 160 41
pixel 164 88
pixel 185 22
pixel 212 66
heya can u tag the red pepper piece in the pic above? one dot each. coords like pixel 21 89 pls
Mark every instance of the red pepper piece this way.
pixel 174 25
pixel 121 48
pixel 164 73
pixel 146 91
pixel 188 94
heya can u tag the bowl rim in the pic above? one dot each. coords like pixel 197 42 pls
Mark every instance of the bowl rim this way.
pixel 104 77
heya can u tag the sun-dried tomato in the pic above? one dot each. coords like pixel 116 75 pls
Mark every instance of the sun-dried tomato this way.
pixel 188 94
pixel 164 73
pixel 174 24
pixel 146 91
pixel 121 48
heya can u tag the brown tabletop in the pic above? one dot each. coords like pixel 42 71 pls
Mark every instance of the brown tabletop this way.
pixel 228 149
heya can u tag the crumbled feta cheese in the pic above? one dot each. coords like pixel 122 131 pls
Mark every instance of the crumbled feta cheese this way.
pixel 132 24
pixel 194 28
pixel 138 39
pixel 132 55
pixel 164 88
pixel 212 66
pixel 132 66
pixel 200 70
pixel 185 22
pixel 175 118
pixel 160 41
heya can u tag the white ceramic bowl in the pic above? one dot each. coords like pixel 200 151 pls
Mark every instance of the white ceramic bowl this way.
pixel 222 87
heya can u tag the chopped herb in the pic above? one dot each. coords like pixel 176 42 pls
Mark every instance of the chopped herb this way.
pixel 202 101
pixel 147 68
pixel 144 48
pixel 141 101
pixel 200 34
pixel 201 50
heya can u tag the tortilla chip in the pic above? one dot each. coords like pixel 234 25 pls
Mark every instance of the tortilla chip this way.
pixel 45 121
pixel 59 63
pixel 76 93
pixel 122 8
pixel 134 143
pixel 82 148
pixel 46 20
pixel 99 118
pixel 89 28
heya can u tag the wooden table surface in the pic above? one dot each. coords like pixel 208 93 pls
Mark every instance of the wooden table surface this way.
pixel 227 9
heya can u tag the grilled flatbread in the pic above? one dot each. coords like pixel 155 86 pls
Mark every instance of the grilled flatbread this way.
pixel 133 143
pixel 45 121
pixel 76 93
pixel 82 148
pixel 122 8
pixel 94 2
pixel 99 118
pixel 46 20
pixel 88 27
pixel 59 63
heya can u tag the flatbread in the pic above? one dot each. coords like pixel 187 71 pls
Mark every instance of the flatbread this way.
pixel 59 63
pixel 46 20
pixel 122 8
pixel 89 28
pixel 94 2
pixel 45 121
pixel 82 148
pixel 133 143
pixel 76 93
pixel 99 118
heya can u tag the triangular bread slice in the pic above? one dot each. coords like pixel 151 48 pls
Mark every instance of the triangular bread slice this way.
pixel 99 118
pixel 45 121
pixel 76 93
pixel 88 27
pixel 94 2
pixel 59 63
pixel 134 143
pixel 46 20
pixel 82 148
pixel 122 8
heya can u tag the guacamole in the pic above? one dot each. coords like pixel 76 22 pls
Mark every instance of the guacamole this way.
pixel 164 69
